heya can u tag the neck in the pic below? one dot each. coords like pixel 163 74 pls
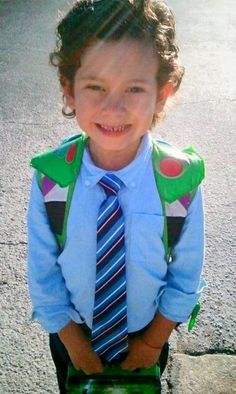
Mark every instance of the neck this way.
pixel 112 161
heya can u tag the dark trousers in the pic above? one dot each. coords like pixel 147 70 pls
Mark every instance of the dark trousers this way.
pixel 62 360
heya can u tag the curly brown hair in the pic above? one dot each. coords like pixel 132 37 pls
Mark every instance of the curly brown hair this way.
pixel 89 20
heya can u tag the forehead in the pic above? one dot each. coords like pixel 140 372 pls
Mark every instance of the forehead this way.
pixel 126 58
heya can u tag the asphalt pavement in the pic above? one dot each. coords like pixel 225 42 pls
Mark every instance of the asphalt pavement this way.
pixel 202 114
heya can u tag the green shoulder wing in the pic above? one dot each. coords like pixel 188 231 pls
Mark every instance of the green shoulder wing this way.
pixel 62 164
pixel 176 172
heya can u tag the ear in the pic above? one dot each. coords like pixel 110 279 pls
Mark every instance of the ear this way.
pixel 67 90
pixel 163 95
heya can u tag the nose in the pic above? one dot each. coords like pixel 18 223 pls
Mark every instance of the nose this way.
pixel 114 103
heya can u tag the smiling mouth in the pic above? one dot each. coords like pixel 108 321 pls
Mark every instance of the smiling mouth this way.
pixel 113 129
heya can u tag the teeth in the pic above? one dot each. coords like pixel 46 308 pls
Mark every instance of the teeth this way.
pixel 110 128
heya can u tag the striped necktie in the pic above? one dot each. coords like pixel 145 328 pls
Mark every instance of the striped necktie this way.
pixel 109 331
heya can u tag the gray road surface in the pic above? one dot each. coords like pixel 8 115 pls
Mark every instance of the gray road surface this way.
pixel 203 115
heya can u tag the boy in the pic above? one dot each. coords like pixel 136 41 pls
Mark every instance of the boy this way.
pixel 109 295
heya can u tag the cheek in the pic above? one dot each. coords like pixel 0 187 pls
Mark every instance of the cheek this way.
pixel 143 100
pixel 144 107
pixel 86 111
pixel 88 102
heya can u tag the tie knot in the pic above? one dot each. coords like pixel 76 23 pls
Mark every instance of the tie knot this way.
pixel 111 184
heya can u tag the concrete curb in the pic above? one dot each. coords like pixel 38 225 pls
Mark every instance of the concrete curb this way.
pixel 207 374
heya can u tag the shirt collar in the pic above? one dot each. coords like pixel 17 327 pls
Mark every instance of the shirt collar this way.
pixel 130 175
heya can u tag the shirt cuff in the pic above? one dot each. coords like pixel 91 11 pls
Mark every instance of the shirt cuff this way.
pixel 54 318
pixel 176 305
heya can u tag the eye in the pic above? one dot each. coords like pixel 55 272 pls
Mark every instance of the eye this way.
pixel 135 89
pixel 96 88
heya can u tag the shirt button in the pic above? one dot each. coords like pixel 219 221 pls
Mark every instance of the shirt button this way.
pixel 133 185
pixel 87 183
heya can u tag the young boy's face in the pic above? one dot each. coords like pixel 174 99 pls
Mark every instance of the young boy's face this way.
pixel 115 95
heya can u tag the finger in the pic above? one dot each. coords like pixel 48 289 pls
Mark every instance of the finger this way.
pixel 127 366
pixel 92 371
pixel 76 366
pixel 128 369
pixel 123 365
pixel 99 365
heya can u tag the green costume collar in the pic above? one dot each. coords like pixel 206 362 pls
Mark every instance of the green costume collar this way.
pixel 176 172
pixel 62 165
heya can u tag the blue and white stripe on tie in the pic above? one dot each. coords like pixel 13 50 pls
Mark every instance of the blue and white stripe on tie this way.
pixel 109 331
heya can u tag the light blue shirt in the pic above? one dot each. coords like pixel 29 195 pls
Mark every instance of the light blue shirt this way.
pixel 62 284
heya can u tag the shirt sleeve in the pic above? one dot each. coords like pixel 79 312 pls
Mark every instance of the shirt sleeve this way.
pixel 183 283
pixel 51 303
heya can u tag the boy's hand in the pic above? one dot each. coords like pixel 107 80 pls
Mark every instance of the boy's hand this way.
pixel 140 355
pixel 86 359
pixel 79 349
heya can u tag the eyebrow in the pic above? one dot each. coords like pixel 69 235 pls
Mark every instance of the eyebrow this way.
pixel 92 78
